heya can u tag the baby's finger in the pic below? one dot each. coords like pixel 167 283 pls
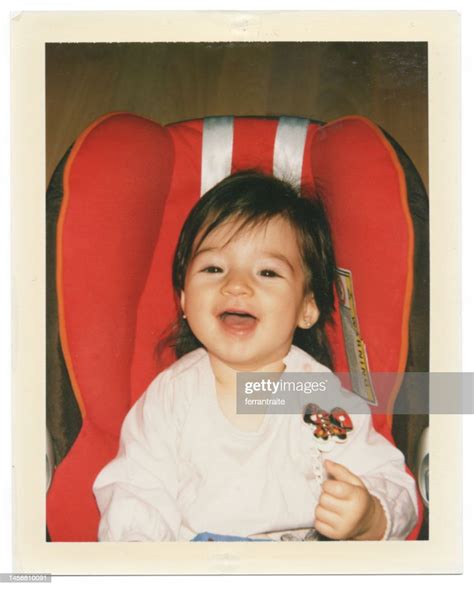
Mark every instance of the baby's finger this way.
pixel 326 516
pixel 325 529
pixel 341 473
pixel 338 489
pixel 331 503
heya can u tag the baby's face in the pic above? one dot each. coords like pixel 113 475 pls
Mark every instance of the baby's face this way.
pixel 245 297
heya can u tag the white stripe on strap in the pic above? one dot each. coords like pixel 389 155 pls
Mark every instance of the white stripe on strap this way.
pixel 289 149
pixel 217 142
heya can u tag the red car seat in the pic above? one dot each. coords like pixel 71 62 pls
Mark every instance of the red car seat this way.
pixel 124 191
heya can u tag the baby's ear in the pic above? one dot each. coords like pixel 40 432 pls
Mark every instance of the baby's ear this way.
pixel 309 314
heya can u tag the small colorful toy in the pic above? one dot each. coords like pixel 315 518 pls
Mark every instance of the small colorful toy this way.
pixel 336 423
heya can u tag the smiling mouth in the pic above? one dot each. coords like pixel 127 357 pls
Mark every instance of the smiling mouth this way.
pixel 238 322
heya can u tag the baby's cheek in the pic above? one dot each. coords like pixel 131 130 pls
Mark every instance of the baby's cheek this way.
pixel 197 302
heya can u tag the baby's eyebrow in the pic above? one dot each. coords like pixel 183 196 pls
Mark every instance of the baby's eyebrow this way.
pixel 204 250
pixel 279 256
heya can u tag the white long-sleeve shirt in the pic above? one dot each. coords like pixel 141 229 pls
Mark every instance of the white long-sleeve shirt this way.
pixel 183 468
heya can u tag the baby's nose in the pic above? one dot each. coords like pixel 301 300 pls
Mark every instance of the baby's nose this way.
pixel 237 284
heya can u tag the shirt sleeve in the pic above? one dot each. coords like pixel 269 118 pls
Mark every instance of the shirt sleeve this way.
pixel 136 492
pixel 381 466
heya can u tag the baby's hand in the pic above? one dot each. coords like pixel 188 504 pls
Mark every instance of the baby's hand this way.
pixel 346 510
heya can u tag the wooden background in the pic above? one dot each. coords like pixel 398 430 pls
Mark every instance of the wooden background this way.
pixel 170 82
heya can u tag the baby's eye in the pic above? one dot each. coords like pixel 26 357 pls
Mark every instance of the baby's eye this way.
pixel 212 269
pixel 266 272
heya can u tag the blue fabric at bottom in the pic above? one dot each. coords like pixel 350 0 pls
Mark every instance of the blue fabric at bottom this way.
pixel 227 538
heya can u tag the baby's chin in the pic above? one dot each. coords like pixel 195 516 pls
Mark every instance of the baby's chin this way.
pixel 243 360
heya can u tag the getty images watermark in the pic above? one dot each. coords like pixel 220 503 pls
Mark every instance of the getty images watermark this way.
pixel 277 388
pixel 411 393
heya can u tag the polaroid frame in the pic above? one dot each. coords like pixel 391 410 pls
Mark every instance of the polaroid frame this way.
pixel 30 32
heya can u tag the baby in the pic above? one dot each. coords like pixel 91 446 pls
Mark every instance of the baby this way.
pixel 254 274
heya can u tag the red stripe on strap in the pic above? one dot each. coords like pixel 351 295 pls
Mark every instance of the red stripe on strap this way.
pixel 254 141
